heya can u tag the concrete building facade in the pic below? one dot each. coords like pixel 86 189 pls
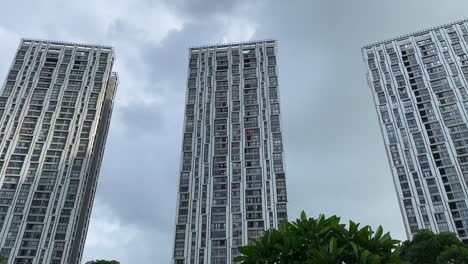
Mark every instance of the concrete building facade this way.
pixel 232 179
pixel 419 85
pixel 55 108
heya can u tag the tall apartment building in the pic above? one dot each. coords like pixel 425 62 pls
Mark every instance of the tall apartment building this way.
pixel 55 108
pixel 419 84
pixel 232 180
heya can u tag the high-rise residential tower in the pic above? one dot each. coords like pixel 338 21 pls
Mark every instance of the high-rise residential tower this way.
pixel 55 109
pixel 419 83
pixel 232 180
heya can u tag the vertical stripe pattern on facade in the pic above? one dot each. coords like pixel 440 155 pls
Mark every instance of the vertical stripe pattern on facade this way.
pixel 419 85
pixel 232 180
pixel 55 108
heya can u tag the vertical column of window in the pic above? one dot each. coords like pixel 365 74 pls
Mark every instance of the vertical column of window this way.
pixel 381 98
pixel 195 223
pixel 7 194
pixel 29 76
pixel 452 185
pixel 455 50
pixel 431 182
pixel 280 179
pixel 218 234
pixel 19 94
pixel 235 118
pixel 40 200
pixel 101 71
pixel 67 194
pixel 67 97
pixel 36 211
pixel 455 41
pixel 208 133
pixel 74 99
pixel 463 63
pixel 459 135
pixel 460 213
pixel 201 249
pixel 99 68
pixel 3 106
pixel 425 112
pixel 28 249
pixel 412 168
pixel 395 155
pixel 391 134
pixel 376 84
pixel 414 74
pixel 446 52
pixel 105 104
pixel 181 230
pixel 187 150
pixel 235 146
pixel 28 126
pixel 372 64
pixel 12 76
pixel 220 168
pixel 20 65
pixel 395 67
pixel 207 69
pixel 62 129
pixel 208 121
pixel 35 63
pixel 46 76
pixel 376 81
pixel 458 65
pixel 219 219
pixel 453 121
pixel 11 182
pixel 253 186
pixel 423 209
pixel 15 108
pixel 78 94
pixel 39 205
pixel 12 234
pixel 271 124
pixel 464 31
pixel 195 121
pixel 394 151
pixel 196 218
pixel 397 117
pixel 221 105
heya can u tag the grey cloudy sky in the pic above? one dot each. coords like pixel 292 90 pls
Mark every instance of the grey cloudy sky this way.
pixel 335 159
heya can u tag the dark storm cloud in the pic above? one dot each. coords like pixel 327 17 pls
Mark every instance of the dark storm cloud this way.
pixel 334 153
pixel 203 8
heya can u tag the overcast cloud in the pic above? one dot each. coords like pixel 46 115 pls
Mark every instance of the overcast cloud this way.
pixel 335 157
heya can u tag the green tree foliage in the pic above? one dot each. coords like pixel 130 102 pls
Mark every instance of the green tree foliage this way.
pixel 322 240
pixel 3 260
pixel 100 261
pixel 453 255
pixel 429 248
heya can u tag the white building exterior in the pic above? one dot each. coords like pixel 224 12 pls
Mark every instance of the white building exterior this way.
pixel 419 84
pixel 232 180
pixel 55 109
